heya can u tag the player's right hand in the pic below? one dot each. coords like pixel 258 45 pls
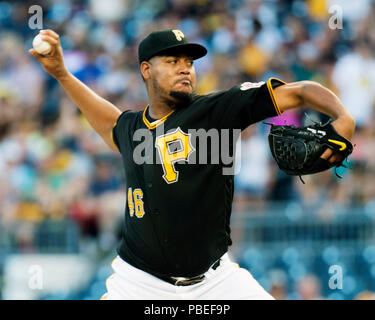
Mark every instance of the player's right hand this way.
pixel 53 63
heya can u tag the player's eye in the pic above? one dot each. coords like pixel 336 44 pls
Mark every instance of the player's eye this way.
pixel 172 61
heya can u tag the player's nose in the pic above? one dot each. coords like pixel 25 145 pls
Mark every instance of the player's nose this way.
pixel 184 71
pixel 184 68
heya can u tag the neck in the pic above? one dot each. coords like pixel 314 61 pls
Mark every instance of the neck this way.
pixel 161 103
pixel 158 106
pixel 158 109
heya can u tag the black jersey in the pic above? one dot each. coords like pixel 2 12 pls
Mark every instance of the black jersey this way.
pixel 178 211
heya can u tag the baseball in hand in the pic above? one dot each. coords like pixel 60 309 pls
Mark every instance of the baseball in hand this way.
pixel 41 46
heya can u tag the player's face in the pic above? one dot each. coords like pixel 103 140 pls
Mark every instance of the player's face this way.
pixel 174 73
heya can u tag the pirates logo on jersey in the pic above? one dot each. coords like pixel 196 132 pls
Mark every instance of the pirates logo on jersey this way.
pixel 172 147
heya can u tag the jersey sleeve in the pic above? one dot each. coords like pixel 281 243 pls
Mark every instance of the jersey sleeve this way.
pixel 118 130
pixel 245 104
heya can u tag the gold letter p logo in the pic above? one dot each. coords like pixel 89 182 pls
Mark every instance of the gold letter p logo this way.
pixel 164 143
pixel 179 35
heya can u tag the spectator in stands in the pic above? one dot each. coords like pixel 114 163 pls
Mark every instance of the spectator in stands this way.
pixel 278 284
pixel 365 295
pixel 308 288
pixel 104 179
pixel 251 182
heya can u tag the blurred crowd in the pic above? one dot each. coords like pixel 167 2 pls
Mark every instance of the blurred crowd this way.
pixel 54 166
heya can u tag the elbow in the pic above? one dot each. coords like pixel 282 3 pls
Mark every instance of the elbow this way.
pixel 306 85
pixel 304 89
pixel 297 94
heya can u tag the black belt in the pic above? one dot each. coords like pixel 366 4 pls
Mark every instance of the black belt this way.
pixel 180 281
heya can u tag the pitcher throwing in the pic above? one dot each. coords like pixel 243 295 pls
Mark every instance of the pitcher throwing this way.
pixel 176 232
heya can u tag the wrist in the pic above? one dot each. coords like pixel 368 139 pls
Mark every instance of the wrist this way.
pixel 63 76
pixel 345 125
pixel 348 118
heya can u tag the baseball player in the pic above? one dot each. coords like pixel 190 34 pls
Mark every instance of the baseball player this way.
pixel 176 230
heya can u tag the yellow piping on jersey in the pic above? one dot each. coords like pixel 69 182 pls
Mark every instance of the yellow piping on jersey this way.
pixel 105 295
pixel 113 262
pixel 339 143
pixel 153 125
pixel 270 90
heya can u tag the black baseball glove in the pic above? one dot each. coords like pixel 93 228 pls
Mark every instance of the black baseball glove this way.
pixel 297 151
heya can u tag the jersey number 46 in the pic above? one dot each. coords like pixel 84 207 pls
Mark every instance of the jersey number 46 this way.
pixel 135 203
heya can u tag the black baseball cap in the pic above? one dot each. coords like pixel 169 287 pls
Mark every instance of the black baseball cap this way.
pixel 161 41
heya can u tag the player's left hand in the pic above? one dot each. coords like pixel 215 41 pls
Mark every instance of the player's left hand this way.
pixel 344 126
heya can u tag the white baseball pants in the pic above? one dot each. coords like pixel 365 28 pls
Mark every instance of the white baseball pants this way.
pixel 227 282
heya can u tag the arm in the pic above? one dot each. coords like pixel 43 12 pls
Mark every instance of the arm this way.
pixel 100 113
pixel 319 98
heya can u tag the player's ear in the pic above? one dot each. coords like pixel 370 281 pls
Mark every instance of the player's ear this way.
pixel 146 70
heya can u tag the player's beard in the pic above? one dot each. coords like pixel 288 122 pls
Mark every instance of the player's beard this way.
pixel 183 99
pixel 176 99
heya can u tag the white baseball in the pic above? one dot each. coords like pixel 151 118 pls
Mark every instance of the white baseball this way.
pixel 41 46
